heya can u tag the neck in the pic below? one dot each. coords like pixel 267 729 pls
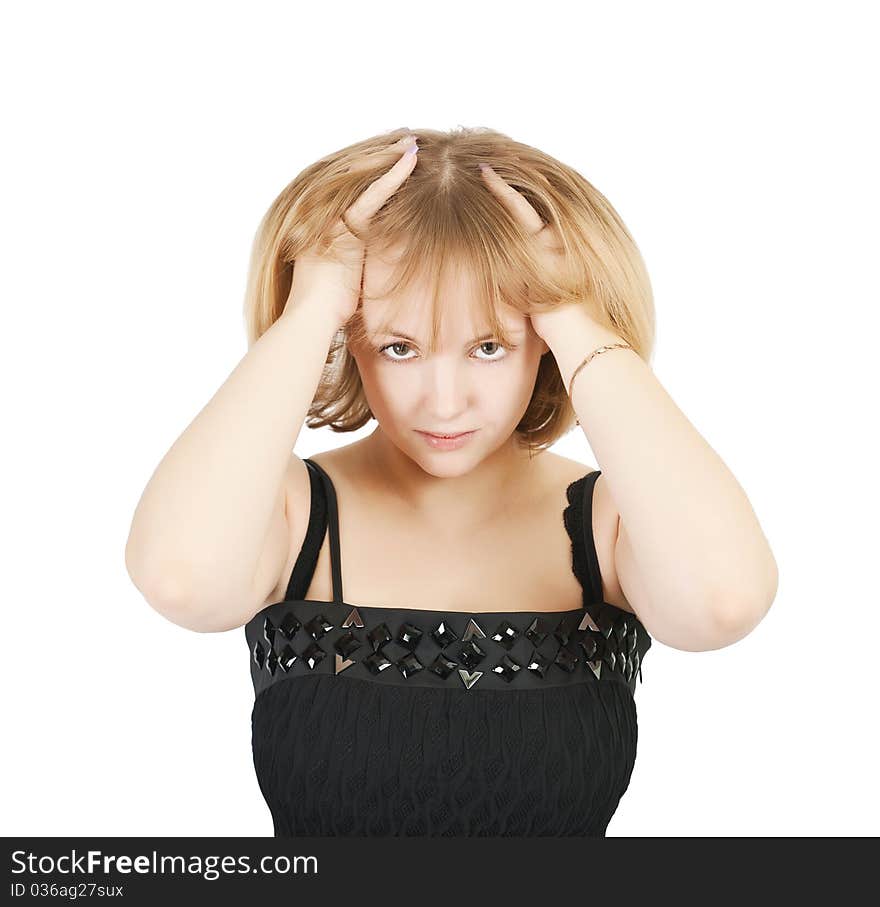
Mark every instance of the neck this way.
pixel 454 503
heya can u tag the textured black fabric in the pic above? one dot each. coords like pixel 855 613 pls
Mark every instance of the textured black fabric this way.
pixel 341 755
pixel 351 757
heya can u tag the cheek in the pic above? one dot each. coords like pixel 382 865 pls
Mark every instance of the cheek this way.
pixel 392 395
pixel 522 373
pixel 389 392
pixel 505 390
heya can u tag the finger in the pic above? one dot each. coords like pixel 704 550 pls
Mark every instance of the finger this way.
pixel 513 201
pixel 380 190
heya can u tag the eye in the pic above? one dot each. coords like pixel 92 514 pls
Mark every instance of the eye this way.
pixel 388 346
pixel 498 346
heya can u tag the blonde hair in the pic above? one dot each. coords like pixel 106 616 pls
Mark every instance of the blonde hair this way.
pixel 445 215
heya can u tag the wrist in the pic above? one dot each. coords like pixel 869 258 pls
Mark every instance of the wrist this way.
pixel 581 336
pixel 313 314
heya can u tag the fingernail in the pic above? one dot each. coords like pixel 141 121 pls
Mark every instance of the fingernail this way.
pixel 484 167
pixel 413 149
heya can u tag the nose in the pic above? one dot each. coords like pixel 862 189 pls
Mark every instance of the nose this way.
pixel 447 391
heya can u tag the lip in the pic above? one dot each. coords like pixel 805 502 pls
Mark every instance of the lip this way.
pixel 446 442
pixel 435 434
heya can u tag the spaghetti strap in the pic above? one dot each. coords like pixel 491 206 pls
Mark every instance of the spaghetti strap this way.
pixel 589 542
pixel 333 523
pixel 307 561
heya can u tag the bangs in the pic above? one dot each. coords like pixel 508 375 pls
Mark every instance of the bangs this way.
pixel 430 241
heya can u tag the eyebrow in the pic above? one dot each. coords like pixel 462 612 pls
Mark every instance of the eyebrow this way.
pixel 481 339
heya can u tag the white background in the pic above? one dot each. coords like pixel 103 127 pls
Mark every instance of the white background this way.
pixel 144 142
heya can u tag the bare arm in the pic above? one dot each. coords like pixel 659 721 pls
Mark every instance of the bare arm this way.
pixel 210 533
pixel 201 524
pixel 690 554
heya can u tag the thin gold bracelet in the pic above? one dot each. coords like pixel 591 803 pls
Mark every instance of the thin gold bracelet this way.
pixel 601 349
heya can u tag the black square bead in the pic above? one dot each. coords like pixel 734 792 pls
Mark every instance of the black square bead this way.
pixel 268 630
pixel 537 631
pixel 409 635
pixel 567 625
pixel 347 643
pixel 470 654
pixel 538 664
pixel 259 654
pixel 318 626
pixel 378 636
pixel 409 665
pixel 506 635
pixel 442 666
pixel 444 635
pixel 313 655
pixel 286 658
pixel 289 625
pixel 271 662
pixel 377 662
pixel 590 645
pixel 566 659
pixel 507 668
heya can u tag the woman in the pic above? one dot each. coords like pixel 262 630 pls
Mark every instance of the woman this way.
pixel 475 672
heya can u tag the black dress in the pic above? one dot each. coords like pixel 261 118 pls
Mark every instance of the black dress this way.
pixel 375 721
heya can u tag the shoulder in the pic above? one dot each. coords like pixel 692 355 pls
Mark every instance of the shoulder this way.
pixel 296 512
pixel 563 472
pixel 564 468
pixel 340 463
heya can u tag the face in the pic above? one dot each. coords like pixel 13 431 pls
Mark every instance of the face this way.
pixel 471 383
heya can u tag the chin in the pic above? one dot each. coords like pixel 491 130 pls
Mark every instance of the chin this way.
pixel 442 461
pixel 443 464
